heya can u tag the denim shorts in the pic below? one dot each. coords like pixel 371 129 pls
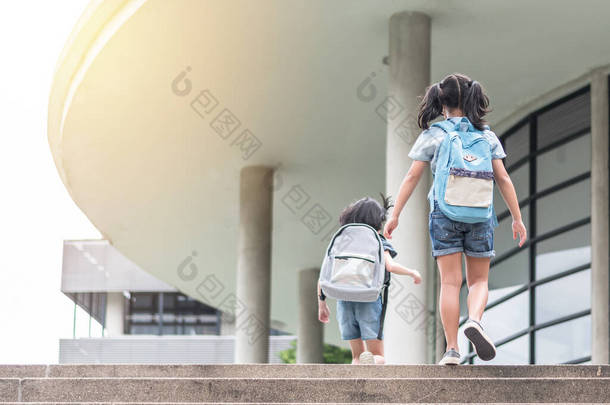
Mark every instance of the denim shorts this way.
pixel 448 236
pixel 359 320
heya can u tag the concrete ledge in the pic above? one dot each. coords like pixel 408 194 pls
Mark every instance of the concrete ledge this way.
pixel 253 403
pixel 305 371
pixel 21 371
pixel 316 390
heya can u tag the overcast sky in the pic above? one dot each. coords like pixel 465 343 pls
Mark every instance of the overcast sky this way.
pixel 36 212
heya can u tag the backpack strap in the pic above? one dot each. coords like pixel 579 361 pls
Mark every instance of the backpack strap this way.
pixel 384 305
pixel 449 126
pixel 445 125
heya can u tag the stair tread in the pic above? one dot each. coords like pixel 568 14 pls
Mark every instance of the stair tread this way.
pixel 299 371
pixel 401 390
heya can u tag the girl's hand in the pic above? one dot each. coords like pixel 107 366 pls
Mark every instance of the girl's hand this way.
pixel 323 312
pixel 389 227
pixel 519 228
pixel 416 276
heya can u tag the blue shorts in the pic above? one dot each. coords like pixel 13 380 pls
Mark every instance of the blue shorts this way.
pixel 359 320
pixel 448 236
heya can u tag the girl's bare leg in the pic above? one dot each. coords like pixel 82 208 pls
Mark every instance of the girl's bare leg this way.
pixel 450 268
pixel 357 346
pixel 477 275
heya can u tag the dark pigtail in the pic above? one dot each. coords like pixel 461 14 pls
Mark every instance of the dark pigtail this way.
pixel 387 204
pixel 476 104
pixel 386 201
pixel 431 106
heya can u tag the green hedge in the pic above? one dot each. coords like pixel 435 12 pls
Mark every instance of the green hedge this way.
pixel 332 354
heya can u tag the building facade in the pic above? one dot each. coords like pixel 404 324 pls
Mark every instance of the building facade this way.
pixel 123 315
pixel 217 152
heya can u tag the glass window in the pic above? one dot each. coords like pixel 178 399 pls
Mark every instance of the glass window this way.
pixel 564 162
pixel 142 300
pixel 463 302
pixel 144 330
pixel 503 233
pixel 512 272
pixel 564 342
pixel 170 330
pixel 514 352
pixel 520 178
pixel 499 204
pixel 563 252
pixel 564 120
pixel 551 212
pixel 180 315
pixel 169 302
pixel 463 342
pixel 509 317
pixel 564 296
pixel 517 145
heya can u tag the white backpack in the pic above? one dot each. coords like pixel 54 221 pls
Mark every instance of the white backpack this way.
pixel 354 265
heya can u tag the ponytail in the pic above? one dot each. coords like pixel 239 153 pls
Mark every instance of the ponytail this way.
pixel 476 104
pixel 454 91
pixel 431 106
pixel 386 202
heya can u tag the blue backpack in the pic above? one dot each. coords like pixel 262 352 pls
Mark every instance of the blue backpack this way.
pixel 463 180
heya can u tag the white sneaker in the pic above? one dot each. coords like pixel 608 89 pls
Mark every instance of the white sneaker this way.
pixel 367 358
pixel 450 358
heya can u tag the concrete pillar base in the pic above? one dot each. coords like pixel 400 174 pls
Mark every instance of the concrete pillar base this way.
pixel 310 332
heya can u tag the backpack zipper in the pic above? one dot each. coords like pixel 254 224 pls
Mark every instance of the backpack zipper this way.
pixel 345 257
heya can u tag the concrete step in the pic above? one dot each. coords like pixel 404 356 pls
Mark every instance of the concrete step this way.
pixel 301 371
pixel 248 403
pixel 310 390
pixel 130 384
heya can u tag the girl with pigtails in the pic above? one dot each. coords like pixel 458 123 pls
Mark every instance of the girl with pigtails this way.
pixel 465 157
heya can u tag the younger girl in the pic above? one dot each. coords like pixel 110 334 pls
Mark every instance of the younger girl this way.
pixel 461 100
pixel 362 322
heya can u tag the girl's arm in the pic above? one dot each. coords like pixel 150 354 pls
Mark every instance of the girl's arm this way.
pixel 507 189
pixel 323 310
pixel 406 189
pixel 397 268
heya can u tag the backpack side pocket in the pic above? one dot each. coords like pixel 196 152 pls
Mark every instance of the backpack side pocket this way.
pixel 466 188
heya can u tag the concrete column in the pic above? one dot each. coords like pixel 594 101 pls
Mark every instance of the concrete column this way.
pixel 115 314
pixel 600 299
pixel 310 331
pixel 227 325
pixel 406 328
pixel 439 339
pixel 254 265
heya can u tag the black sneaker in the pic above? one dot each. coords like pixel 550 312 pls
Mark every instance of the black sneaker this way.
pixel 450 358
pixel 482 343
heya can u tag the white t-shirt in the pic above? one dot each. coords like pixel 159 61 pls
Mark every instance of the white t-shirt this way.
pixel 427 143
